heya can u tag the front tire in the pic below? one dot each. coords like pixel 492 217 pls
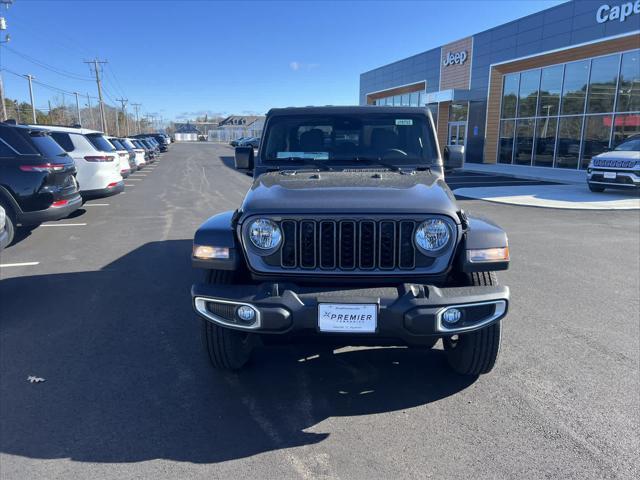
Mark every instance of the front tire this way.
pixel 475 353
pixel 596 188
pixel 227 349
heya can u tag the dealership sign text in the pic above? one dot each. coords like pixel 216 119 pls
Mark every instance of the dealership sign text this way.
pixel 607 13
pixel 457 58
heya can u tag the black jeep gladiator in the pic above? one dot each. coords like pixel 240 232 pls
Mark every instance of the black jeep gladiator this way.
pixel 350 235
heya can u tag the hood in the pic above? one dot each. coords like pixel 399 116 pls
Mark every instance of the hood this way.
pixel 358 191
pixel 618 155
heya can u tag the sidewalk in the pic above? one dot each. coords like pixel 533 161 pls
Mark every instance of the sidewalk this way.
pixel 554 196
pixel 559 175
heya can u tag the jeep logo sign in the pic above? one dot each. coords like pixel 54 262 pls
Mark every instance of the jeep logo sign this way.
pixel 607 13
pixel 457 58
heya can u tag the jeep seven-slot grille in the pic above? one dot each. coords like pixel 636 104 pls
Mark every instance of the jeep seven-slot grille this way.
pixel 348 244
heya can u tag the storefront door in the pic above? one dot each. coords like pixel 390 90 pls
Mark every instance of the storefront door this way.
pixel 457 133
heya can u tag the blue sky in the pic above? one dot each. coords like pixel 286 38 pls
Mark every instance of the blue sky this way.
pixel 183 58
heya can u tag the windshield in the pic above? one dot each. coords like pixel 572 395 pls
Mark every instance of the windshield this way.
pixel 632 145
pixel 397 138
pixel 100 142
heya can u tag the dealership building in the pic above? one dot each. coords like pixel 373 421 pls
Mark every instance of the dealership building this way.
pixel 548 90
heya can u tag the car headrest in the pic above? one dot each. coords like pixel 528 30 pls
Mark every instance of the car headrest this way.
pixel 312 141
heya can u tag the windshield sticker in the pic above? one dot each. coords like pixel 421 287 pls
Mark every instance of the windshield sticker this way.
pixel 309 155
pixel 404 121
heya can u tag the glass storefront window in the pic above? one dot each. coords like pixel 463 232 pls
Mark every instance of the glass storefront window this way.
pixel 624 126
pixel 524 142
pixel 568 148
pixel 505 147
pixel 510 95
pixel 458 112
pixel 602 84
pixel 579 108
pixel 576 76
pixel 550 87
pixel 414 101
pixel 545 141
pixel 629 88
pixel 597 131
pixel 528 99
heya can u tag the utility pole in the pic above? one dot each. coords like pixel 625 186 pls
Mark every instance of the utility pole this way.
pixel 7 39
pixel 123 102
pixel 115 110
pixel 93 120
pixel 78 109
pixel 4 107
pixel 95 63
pixel 50 117
pixel 136 107
pixel 33 108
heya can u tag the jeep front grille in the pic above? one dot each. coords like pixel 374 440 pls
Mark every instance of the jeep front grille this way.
pixel 348 244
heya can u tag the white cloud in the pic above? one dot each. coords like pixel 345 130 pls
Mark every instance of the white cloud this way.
pixel 295 66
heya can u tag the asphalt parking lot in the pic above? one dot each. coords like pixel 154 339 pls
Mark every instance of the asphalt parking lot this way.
pixel 101 310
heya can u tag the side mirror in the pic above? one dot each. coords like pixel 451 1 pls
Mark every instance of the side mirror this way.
pixel 453 157
pixel 244 158
pixel 446 154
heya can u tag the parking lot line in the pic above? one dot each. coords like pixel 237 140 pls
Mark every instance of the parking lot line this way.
pixel 96 204
pixel 23 264
pixel 63 225
pixel 134 179
pixel 129 184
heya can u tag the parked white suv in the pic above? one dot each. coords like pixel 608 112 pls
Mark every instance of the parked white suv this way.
pixel 139 152
pixel 123 156
pixel 96 160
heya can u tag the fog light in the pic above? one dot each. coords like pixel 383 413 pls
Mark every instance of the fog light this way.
pixel 246 313
pixel 205 252
pixel 451 316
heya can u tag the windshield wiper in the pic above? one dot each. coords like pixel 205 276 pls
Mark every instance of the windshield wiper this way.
pixel 378 161
pixel 305 161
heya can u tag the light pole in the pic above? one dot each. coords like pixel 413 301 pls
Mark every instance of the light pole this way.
pixel 78 109
pixel 33 108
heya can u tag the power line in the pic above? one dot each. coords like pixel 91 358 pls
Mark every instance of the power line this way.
pixel 46 66
pixel 42 84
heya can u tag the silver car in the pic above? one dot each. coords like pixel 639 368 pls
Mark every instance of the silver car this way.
pixel 618 168
pixel 4 234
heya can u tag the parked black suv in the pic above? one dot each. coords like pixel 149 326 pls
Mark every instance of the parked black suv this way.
pixel 350 235
pixel 37 177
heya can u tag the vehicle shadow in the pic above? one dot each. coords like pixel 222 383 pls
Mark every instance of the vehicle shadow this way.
pixel 127 380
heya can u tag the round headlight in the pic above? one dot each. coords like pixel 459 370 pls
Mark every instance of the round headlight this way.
pixel 432 235
pixel 265 234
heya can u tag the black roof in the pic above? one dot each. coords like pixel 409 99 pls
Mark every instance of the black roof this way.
pixel 344 110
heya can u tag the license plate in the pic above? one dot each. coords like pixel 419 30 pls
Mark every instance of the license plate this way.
pixel 610 175
pixel 348 317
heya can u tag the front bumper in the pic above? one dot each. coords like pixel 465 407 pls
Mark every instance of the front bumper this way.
pixel 407 312
pixel 51 213
pixel 624 178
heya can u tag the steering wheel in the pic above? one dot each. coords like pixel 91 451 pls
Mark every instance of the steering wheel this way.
pixel 395 150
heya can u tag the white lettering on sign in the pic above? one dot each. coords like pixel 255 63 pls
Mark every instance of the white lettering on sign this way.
pixel 607 13
pixel 457 58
